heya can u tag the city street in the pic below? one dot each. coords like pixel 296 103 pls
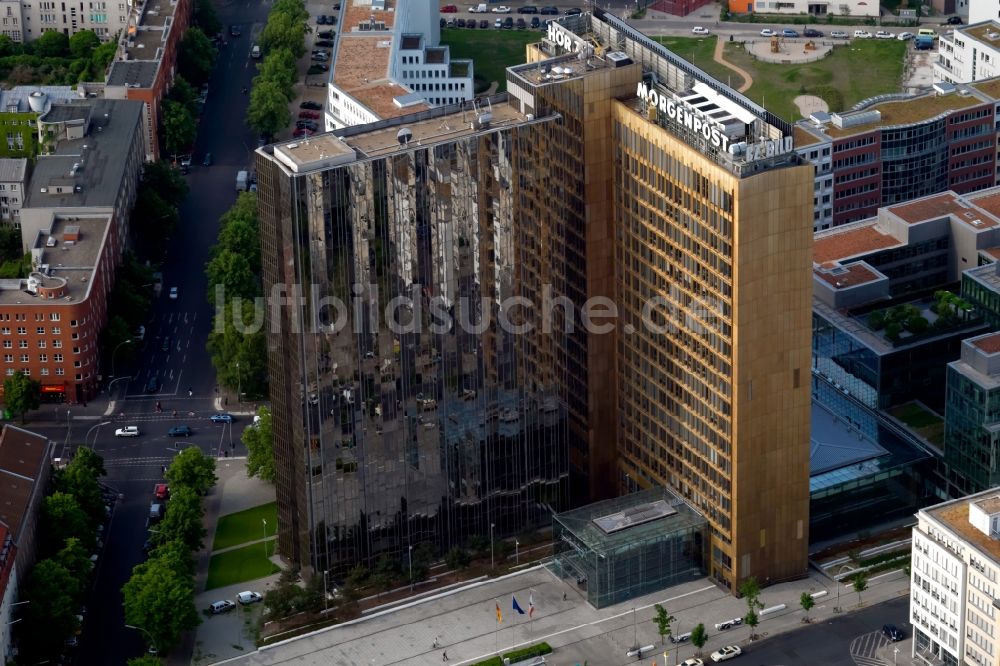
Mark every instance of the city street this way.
pixel 134 465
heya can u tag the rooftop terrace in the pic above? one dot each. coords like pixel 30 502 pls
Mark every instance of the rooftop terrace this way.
pixel 905 112
pixel 844 277
pixel 982 32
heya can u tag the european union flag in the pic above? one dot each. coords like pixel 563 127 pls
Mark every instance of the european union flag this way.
pixel 519 610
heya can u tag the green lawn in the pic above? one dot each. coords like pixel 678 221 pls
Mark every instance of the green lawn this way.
pixel 241 564
pixel 243 526
pixel 492 51
pixel 921 420
pixel 837 78
pixel 699 52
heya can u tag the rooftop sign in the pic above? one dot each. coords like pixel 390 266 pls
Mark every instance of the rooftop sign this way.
pixel 683 114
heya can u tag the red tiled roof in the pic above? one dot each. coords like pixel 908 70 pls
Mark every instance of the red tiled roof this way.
pixel 850 275
pixel 838 245
pixel 989 344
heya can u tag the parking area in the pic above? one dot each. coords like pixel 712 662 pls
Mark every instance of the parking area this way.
pixel 229 633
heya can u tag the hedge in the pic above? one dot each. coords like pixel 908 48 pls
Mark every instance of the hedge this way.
pixel 517 655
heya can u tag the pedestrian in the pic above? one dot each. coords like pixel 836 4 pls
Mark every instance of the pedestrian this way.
pixel 444 657
pixel 564 596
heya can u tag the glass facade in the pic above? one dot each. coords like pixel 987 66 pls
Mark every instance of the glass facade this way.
pixel 972 432
pixel 432 428
pixel 914 161
pixel 635 560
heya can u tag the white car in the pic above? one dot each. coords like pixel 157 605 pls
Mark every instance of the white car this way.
pixel 903 36
pixel 502 9
pixel 882 34
pixel 173 293
pixel 767 32
pixel 127 431
pixel 726 653
pixel 698 30
pixel 862 34
pixel 838 34
pixel 248 597
pixel 693 662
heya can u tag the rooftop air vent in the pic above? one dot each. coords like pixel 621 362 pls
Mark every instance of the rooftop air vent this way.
pixel 404 136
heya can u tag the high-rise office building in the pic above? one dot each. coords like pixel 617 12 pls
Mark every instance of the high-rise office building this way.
pixel 668 214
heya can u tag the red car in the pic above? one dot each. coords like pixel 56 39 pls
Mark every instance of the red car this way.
pixel 161 491
pixel 309 114
pixel 302 132
pixel 449 9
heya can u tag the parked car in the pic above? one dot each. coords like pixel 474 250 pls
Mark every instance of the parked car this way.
pixel 726 653
pixel 838 34
pixel 179 431
pixel 312 115
pixel 153 385
pixel 234 31
pixel 320 20
pixel 315 106
pixel 549 11
pixel 127 431
pixel 699 30
pixel 326 34
pixel 248 597
pixel 522 24
pixel 331 20
pixel 502 9
pixel 460 23
pixel 892 632
pixel 185 160
pixel 471 23
pixel 904 36
pixel 954 20
pixel 884 34
pixel 484 24
pixel 573 11
pixel 325 43
pixel 693 662
pixel 862 34
pixel 173 293
pixel 449 9
pixel 528 9
pixel 812 32
pixel 498 24
pixel 208 160
pixel 508 23
pixel 767 32
pixel 140 333
pixel 536 22
pixel 788 33
pixel 222 417
pixel 161 491
pixel 223 606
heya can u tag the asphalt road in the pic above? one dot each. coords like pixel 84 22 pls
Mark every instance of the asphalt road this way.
pixel 134 465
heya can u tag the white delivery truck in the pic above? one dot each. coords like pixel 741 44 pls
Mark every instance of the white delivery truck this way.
pixel 479 9
pixel 241 181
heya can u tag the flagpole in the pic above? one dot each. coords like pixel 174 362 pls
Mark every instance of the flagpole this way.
pixel 496 632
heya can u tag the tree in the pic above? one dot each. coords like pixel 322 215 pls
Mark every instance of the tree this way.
pixel 807 602
pixel 8 47
pixel 457 558
pixel 268 109
pixel 178 127
pixel 283 31
pixel 102 57
pixel 145 660
pixel 88 459
pixel 752 619
pixel 240 356
pixel 183 521
pixel 159 221
pixel 699 637
pixel 10 241
pixel 860 583
pixel 75 559
pixel 422 557
pixel 750 591
pixel 192 469
pixel 64 519
pixel 52 44
pixel 282 600
pixel 160 600
pixel 79 479
pixel 21 394
pixel 206 18
pixel 82 44
pixel 170 185
pixel 51 617
pixel 241 234
pixel 662 621
pixel 196 56
pixel 232 271
pixel 260 447
pixel 279 66
pixel 175 555
pixel 183 92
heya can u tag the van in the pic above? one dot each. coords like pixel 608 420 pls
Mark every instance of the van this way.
pixel 926 32
pixel 155 512
pixel 255 51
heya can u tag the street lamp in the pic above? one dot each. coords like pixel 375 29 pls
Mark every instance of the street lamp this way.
pixel 149 637
pixel 517 558
pixel 410 553
pixel 326 594
pixel 492 563
pixel 265 536
pixel 123 342
pixel 239 384
pixel 86 437
pixel 840 584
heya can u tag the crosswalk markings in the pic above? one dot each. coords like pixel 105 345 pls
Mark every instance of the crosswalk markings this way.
pixel 864 649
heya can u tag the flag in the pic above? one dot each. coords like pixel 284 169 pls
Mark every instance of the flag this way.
pixel 517 607
pixel 499 614
pixel 531 604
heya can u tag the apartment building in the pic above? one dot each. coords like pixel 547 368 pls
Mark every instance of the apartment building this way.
pixel 969 53
pixel 24 22
pixel 146 62
pixel 388 61
pixel 853 8
pixel 984 10
pixel 954 576
pixel 895 148
pixel 13 181
pixel 612 170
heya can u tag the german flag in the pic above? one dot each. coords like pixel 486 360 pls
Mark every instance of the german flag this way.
pixel 499 614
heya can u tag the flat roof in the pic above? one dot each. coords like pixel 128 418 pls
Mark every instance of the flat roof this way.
pixel 63 113
pixel 955 516
pixel 357 12
pixel 905 112
pixel 804 137
pixel 850 241
pixel 981 32
pixel 988 201
pixel 361 69
pixel 989 504
pixel 13 169
pixel 156 12
pixel 843 277
pixel 988 344
pixel 114 127
pixel 133 73
pixel 72 264
pixel 990 87
pixel 948 204
pixel 16 99
pixel 22 456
